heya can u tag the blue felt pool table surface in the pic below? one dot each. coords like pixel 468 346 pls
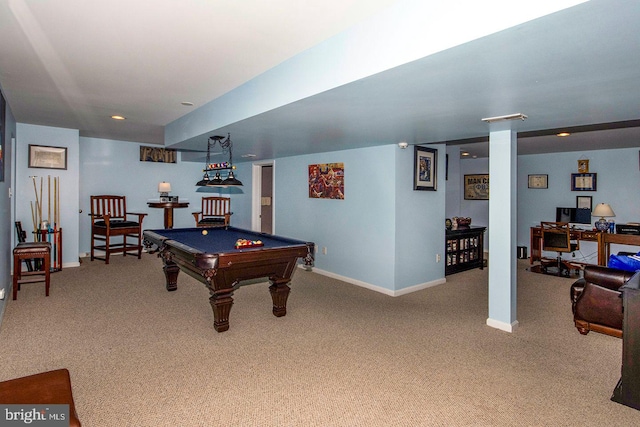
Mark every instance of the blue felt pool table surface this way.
pixel 223 240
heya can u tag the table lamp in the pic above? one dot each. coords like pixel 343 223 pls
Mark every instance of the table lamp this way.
pixel 603 210
pixel 164 188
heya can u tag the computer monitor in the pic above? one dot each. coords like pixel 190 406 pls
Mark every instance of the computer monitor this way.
pixel 573 215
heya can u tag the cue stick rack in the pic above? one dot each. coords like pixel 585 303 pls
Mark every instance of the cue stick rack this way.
pixel 48 229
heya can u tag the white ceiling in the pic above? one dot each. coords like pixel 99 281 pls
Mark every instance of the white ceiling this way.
pixel 74 63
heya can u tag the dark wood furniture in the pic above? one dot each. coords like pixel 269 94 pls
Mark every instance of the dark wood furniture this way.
pixel 55 238
pixel 215 212
pixel 32 251
pixel 109 219
pixel 168 210
pixel 46 388
pixel 210 256
pixel 604 248
pixel 604 241
pixel 627 391
pixel 464 249
pixel 596 301
pixel 535 242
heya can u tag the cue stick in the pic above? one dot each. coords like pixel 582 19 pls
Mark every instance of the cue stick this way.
pixel 40 207
pixel 55 203
pixel 36 222
pixel 49 198
pixel 33 218
pixel 58 201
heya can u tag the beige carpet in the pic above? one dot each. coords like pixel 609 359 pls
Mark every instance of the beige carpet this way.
pixel 343 355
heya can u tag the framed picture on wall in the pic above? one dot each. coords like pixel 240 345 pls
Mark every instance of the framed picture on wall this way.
pixel 41 156
pixel 476 187
pixel 538 181
pixel 583 202
pixel 584 181
pixel 425 168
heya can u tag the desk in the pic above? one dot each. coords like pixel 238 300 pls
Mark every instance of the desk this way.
pixel 168 210
pixel 584 235
pixel 604 247
pixel 213 259
pixel 604 241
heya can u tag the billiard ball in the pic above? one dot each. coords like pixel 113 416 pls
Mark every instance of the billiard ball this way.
pixel 204 232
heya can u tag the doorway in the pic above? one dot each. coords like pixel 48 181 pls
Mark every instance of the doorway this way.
pixel 263 218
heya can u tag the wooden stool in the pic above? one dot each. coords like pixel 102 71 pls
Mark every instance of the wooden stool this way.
pixel 28 251
pixel 46 388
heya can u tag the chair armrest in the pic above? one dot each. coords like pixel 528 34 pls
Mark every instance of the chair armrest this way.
pixel 600 305
pixel 610 278
pixel 138 214
pixel 576 289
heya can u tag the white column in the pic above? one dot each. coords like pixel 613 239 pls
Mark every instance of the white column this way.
pixel 502 226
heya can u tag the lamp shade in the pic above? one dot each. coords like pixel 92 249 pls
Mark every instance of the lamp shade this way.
pixel 603 210
pixel 164 187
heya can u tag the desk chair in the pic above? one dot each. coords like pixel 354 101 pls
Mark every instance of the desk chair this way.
pixel 556 236
pixel 109 219
pixel 215 212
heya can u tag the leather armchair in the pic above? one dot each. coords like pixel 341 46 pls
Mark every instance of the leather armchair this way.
pixel 596 300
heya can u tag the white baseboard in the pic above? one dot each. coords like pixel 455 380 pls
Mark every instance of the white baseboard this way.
pixel 507 327
pixel 379 289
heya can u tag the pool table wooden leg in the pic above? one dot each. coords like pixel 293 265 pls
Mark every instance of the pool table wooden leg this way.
pixel 279 294
pixel 171 271
pixel 221 304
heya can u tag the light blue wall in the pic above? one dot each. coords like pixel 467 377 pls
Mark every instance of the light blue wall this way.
pixel 114 167
pixel 617 184
pixel 7 230
pixel 359 231
pixel 419 223
pixel 69 183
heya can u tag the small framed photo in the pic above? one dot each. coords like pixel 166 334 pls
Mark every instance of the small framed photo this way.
pixel 583 202
pixel 583 166
pixel 42 156
pixel 425 168
pixel 538 181
pixel 584 182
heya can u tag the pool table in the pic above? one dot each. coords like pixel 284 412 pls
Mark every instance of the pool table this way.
pixel 210 256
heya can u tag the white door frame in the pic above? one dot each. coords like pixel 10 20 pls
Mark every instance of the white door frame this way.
pixel 256 201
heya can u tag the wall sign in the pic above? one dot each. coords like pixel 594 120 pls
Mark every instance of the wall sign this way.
pixel 158 155
pixel 476 187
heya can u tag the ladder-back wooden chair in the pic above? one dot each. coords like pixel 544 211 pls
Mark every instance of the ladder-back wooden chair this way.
pixel 216 212
pixel 109 219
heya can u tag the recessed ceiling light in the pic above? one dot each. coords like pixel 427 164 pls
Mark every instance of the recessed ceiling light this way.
pixel 464 153
pixel 187 103
pixel 562 134
pixel 116 117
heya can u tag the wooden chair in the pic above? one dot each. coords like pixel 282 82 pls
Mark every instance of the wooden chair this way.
pixel 22 237
pixel 216 212
pixel 109 219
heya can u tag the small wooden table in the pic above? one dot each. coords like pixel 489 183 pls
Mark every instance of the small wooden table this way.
pixel 168 210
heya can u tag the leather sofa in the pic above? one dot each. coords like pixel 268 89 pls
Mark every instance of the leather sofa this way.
pixel 597 302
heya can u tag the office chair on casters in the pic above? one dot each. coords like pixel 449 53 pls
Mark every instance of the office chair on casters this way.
pixel 556 237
